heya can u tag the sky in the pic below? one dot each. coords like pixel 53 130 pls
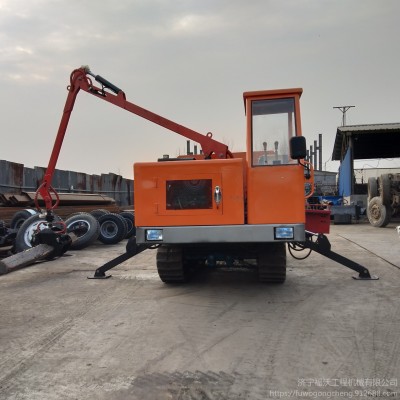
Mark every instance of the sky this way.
pixel 189 61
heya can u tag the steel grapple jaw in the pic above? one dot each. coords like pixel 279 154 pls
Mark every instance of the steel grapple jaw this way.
pixel 59 241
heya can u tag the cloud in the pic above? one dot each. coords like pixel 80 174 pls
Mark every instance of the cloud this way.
pixel 191 60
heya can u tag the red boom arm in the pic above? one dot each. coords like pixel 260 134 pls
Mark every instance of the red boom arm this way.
pixel 79 79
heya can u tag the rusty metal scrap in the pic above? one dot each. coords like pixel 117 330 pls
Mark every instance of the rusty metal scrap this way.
pixel 26 199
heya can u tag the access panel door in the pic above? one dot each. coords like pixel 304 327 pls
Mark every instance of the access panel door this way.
pixel 276 195
pixel 201 192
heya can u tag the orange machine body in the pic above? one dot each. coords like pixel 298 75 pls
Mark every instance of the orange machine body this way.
pixel 260 186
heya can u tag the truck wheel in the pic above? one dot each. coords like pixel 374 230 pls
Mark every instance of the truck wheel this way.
pixel 271 263
pixel 99 212
pixel 130 220
pixel 85 227
pixel 20 217
pixel 26 230
pixel 378 213
pixel 170 264
pixel 372 188
pixel 113 228
pixel 384 189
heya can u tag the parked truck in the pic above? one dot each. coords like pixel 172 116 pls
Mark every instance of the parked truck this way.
pixel 383 199
pixel 218 207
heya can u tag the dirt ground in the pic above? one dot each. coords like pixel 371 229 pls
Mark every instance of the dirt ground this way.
pixel 222 336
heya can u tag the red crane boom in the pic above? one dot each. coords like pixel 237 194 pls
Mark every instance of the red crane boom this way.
pixel 80 80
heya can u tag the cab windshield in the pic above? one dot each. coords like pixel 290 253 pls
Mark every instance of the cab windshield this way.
pixel 273 124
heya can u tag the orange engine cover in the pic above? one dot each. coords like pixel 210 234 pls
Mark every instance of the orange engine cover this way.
pixel 275 195
pixel 183 193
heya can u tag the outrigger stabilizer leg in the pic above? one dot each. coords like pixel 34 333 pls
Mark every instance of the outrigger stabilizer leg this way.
pixel 132 249
pixel 323 247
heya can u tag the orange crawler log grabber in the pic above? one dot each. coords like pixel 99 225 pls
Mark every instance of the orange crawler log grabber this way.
pixel 219 207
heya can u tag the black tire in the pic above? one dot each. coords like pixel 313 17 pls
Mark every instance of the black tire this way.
pixel 372 188
pixel 271 263
pixel 378 213
pixel 20 217
pixel 73 214
pixel 130 220
pixel 26 230
pixel 99 213
pixel 85 227
pixel 113 228
pixel 170 264
pixel 384 189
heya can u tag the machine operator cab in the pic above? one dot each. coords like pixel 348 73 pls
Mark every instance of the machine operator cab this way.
pixel 275 179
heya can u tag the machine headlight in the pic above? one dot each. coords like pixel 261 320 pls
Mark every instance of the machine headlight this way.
pixel 154 235
pixel 284 232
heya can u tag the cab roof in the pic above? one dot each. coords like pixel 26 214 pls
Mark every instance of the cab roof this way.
pixel 261 94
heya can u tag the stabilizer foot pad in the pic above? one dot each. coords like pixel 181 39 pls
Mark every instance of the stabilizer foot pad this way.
pixel 99 277
pixel 369 278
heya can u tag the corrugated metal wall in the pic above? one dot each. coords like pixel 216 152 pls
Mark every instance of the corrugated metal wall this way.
pixel 11 176
pixel 15 178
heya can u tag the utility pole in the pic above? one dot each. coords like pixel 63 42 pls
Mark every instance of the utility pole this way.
pixel 344 110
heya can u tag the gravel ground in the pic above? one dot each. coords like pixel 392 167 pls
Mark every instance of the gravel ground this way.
pixel 222 336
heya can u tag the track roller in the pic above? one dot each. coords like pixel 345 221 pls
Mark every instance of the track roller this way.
pixel 170 264
pixel 271 263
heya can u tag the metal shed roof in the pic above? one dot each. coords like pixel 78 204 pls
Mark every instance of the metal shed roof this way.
pixel 369 141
